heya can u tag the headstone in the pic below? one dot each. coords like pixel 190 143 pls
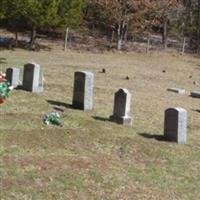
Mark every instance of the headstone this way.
pixel 122 105
pixel 12 76
pixel 177 90
pixel 195 94
pixel 83 90
pixel 175 127
pixel 31 78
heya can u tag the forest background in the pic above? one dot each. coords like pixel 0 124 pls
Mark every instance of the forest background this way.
pixel 112 24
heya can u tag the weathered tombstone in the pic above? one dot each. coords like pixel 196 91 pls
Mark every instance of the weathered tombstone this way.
pixel 177 90
pixel 31 78
pixel 175 127
pixel 83 90
pixel 12 76
pixel 195 94
pixel 122 104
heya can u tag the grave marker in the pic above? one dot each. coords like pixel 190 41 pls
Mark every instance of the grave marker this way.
pixel 83 90
pixel 122 104
pixel 31 78
pixel 175 127
pixel 12 76
pixel 195 94
pixel 177 90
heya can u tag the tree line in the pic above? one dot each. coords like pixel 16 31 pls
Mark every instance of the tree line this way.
pixel 117 19
pixel 19 15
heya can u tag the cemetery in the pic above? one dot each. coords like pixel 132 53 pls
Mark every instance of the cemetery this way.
pixel 99 100
pixel 114 138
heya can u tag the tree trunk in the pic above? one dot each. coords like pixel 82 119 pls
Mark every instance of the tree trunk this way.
pixel 198 28
pixel 125 34
pixel 112 39
pixel 119 37
pixel 66 39
pixel 33 36
pixel 119 44
pixel 183 47
pixel 16 38
pixel 148 43
pixel 164 33
pixel 121 31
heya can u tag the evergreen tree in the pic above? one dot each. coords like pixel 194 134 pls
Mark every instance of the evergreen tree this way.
pixel 69 13
pixel 13 15
pixel 41 14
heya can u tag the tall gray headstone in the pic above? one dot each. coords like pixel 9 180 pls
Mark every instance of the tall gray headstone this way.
pixel 122 105
pixel 12 76
pixel 83 90
pixel 31 78
pixel 175 127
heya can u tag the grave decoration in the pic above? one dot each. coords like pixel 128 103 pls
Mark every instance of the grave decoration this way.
pixel 5 88
pixel 52 118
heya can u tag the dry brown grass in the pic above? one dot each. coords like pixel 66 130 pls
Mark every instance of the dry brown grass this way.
pixel 90 158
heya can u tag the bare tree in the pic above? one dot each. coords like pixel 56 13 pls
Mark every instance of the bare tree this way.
pixel 160 12
pixel 118 14
pixel 198 28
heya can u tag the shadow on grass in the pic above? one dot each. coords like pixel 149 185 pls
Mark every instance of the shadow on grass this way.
pixel 58 109
pixel 19 87
pixel 2 60
pixel 196 110
pixel 101 118
pixel 155 137
pixel 57 103
pixel 10 43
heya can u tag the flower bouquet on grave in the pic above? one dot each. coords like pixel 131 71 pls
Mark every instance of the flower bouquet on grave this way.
pixel 5 88
pixel 52 118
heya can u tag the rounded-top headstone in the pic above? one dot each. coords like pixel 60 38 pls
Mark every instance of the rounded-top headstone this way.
pixel 122 104
pixel 175 127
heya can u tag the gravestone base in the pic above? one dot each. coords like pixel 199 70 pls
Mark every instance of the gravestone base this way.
pixel 125 120
pixel 40 89
pixel 79 106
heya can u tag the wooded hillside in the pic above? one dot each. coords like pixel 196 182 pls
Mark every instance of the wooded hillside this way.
pixel 119 21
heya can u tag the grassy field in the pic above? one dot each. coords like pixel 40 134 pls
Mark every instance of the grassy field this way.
pixel 90 157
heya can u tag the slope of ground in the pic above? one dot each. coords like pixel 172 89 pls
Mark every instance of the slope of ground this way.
pixel 90 157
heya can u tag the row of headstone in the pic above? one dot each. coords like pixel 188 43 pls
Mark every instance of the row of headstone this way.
pixel 175 124
pixel 31 77
pixel 195 94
